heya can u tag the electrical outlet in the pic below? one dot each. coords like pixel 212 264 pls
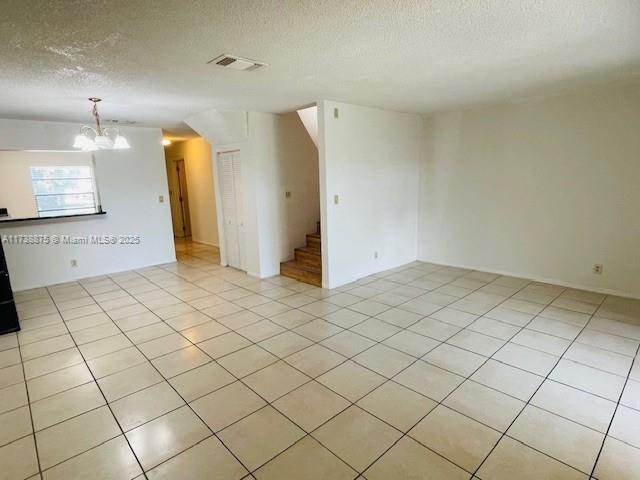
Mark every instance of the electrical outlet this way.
pixel 597 269
pixel 74 263
pixel 375 254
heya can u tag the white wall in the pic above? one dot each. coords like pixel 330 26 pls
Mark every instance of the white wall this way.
pixel 309 118
pixel 200 187
pixel 288 163
pixel 16 186
pixel 542 190
pixel 227 127
pixel 130 182
pixel 370 159
pixel 228 131
pixel 277 155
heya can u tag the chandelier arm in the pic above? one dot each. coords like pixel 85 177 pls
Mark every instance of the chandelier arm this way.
pixel 85 129
pixel 113 131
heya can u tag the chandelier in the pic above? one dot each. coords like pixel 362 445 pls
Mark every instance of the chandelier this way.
pixel 99 138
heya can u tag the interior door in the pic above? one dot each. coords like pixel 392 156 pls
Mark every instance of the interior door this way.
pixel 174 199
pixel 183 197
pixel 231 189
pixel 179 198
pixel 237 188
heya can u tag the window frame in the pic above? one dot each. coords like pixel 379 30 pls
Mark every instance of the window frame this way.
pixel 59 212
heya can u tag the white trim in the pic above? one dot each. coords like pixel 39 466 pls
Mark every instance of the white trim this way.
pixel 539 278
pixel 211 244
pixel 324 196
pixel 83 277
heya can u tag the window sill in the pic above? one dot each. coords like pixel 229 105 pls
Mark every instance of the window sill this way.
pixel 13 221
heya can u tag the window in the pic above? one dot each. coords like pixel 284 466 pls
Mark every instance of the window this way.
pixel 63 190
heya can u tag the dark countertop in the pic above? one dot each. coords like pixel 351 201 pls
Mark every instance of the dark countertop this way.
pixel 13 221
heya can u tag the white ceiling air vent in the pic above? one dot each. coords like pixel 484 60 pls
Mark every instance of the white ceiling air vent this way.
pixel 237 63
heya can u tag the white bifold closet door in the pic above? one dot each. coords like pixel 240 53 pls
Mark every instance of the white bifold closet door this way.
pixel 231 186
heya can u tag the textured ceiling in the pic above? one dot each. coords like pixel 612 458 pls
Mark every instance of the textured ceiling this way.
pixel 147 58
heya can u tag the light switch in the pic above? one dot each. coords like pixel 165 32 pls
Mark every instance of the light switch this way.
pixel 336 113
pixel 287 194
pixel 161 198
pixel 336 199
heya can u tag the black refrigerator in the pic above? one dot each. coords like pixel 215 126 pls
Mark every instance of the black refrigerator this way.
pixel 8 314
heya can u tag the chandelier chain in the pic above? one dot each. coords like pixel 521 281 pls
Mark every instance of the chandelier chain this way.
pixel 97 116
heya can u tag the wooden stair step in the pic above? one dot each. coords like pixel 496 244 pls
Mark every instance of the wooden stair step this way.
pixel 307 265
pixel 314 241
pixel 302 273
pixel 309 256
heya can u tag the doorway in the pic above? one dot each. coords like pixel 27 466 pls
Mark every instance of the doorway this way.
pixel 229 166
pixel 179 198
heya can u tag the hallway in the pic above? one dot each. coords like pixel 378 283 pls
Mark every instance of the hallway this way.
pixel 196 254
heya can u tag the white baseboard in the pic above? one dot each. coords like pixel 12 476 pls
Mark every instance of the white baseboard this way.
pixel 539 278
pixel 75 278
pixel 211 244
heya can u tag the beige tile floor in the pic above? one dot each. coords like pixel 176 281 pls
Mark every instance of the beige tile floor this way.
pixel 190 370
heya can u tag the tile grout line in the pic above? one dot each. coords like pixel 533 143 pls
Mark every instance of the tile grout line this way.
pixel 33 428
pixel 267 403
pixel 615 410
pixel 351 403
pixel 180 300
pixel 387 378
pixel 273 301
pixel 253 343
pixel 181 397
pixel 313 379
pixel 347 307
pixel 318 342
pixel 454 279
pixel 534 316
pixel 527 403
pixel 438 403
pixel 292 330
pixel 95 380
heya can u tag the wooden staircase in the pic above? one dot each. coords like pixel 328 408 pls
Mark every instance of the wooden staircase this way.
pixel 307 264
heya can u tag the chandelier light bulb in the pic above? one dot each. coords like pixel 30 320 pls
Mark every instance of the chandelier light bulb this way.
pixel 89 146
pixel 81 141
pixel 121 143
pixel 103 142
